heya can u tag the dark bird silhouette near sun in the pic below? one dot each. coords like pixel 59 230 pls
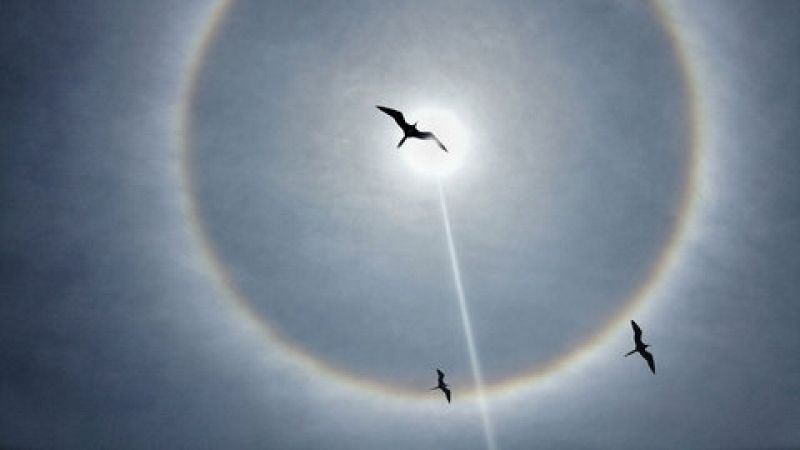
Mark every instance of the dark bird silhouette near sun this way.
pixel 409 131
pixel 641 347
pixel 442 385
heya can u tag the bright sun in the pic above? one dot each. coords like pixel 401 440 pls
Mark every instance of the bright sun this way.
pixel 424 156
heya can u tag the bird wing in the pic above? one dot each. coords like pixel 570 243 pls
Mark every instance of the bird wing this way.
pixel 637 332
pixel 429 135
pixel 650 361
pixel 447 394
pixel 396 115
pixel 441 376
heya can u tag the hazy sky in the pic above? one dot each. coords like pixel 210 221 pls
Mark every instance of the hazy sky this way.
pixel 290 285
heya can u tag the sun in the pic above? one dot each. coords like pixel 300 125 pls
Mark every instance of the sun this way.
pixel 424 156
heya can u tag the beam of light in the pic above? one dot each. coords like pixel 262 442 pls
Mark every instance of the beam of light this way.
pixel 474 362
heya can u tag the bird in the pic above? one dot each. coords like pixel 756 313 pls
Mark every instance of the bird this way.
pixel 409 131
pixel 641 347
pixel 442 385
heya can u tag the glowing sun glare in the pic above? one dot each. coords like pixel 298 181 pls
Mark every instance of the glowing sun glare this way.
pixel 425 156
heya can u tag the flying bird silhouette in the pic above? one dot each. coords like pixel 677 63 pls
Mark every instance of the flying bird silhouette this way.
pixel 442 385
pixel 409 131
pixel 641 347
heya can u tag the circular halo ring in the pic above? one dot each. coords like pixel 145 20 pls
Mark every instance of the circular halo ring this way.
pixel 659 267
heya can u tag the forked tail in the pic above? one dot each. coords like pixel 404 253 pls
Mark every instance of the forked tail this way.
pixel 401 141
pixel 630 352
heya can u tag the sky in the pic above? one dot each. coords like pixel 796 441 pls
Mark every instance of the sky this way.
pixel 210 240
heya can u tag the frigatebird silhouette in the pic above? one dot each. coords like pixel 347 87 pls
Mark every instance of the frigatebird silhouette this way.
pixel 442 385
pixel 641 347
pixel 409 131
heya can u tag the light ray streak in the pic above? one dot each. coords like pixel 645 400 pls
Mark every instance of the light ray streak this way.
pixel 477 375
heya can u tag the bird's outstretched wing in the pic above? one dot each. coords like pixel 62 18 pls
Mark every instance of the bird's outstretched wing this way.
pixel 650 361
pixel 637 332
pixel 441 376
pixel 447 394
pixel 396 115
pixel 429 135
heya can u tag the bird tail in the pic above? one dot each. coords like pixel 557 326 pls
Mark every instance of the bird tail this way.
pixel 630 352
pixel 401 141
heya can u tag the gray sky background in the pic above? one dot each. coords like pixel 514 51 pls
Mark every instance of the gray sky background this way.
pixel 115 333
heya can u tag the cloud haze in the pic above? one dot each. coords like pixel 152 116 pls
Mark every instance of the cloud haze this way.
pixel 115 331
